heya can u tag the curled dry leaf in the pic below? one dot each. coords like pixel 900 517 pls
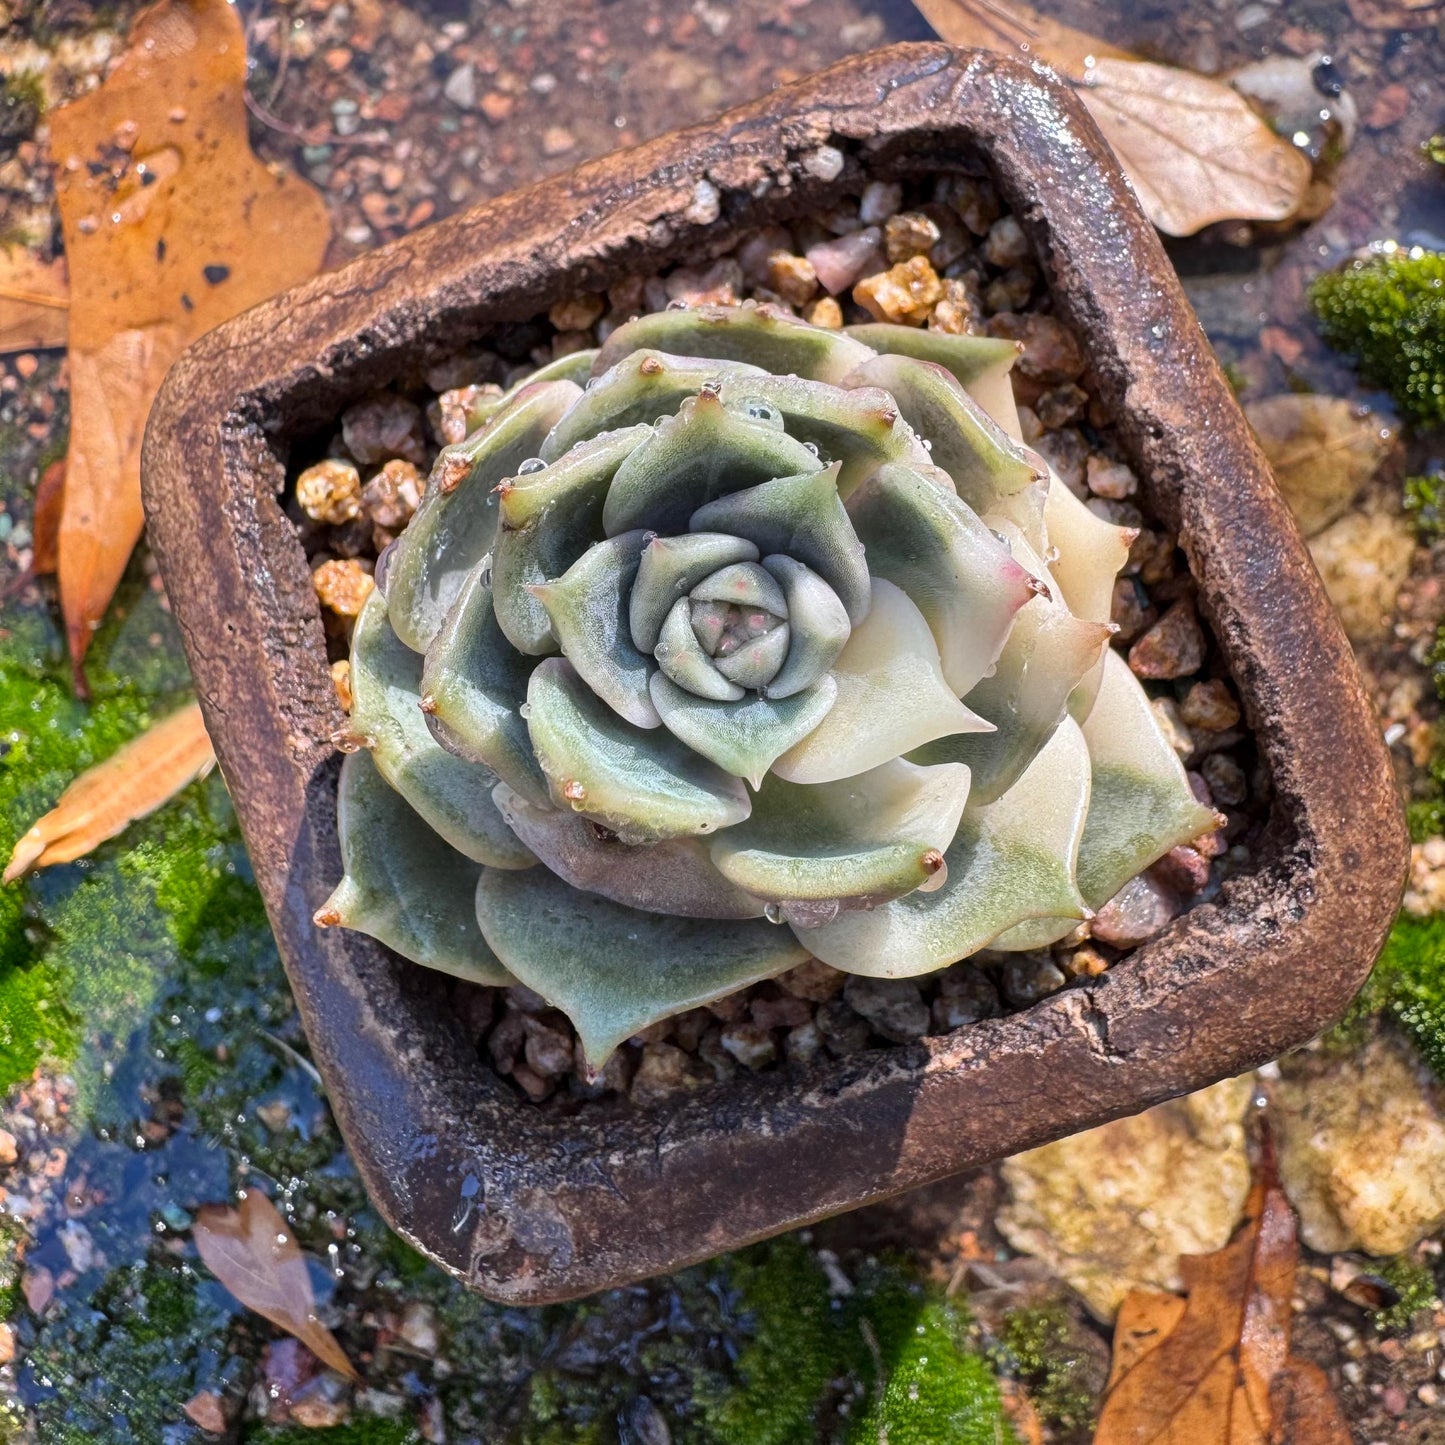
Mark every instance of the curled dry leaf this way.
pixel 1194 150
pixel 1215 1368
pixel 253 1252
pixel 34 298
pixel 1322 450
pixel 171 226
pixel 133 781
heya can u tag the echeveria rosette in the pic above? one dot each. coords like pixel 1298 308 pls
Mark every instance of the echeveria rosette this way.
pixel 735 642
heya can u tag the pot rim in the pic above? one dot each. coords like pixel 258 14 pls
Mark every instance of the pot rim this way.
pixel 530 1205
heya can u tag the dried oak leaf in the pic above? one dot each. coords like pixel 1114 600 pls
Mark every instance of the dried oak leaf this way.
pixel 252 1251
pixel 35 296
pixel 1322 449
pixel 1192 147
pixel 1215 1368
pixel 133 781
pixel 171 226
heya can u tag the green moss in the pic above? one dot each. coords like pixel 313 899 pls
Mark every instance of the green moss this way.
pixel 1037 1347
pixel 1425 504
pixel 22 103
pixel 1415 1284
pixel 1388 312
pixel 796 1348
pixel 1408 983
pixel 930 1386
pixel 1434 149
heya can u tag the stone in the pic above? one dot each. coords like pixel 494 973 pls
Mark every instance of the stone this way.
pixel 1425 893
pixel 662 1071
pixel 1172 647
pixel 419 1327
pixel 965 995
pixel 461 87
pixel 813 980
pixel 1113 1208
pixel 1006 245
pixel 1182 870
pixel 1027 977
pixel 903 294
pixel 892 1006
pixel 382 427
pixel 1362 1146
pixel 206 1410
pixel 1171 724
pixel 803 1044
pixel 840 261
pixel 792 277
pixel 975 200
pixel 880 200
pixel 391 497
pixel 756 253
pixel 1364 559
pixel 548 1047
pixel 557 141
pixel 576 313
pixel 1011 290
pixel 1130 610
pixel 786 1012
pixel 1060 405
pixel 1209 705
pixel 844 1032
pixel 910 234
pixel 825 311
pixel 753 1047
pixel 1051 351
pixel 330 491
pixel 1111 479
pixel 1139 910
pixel 1226 779
pixel 9 1151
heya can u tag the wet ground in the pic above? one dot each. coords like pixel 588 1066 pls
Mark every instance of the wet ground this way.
pixel 147 1038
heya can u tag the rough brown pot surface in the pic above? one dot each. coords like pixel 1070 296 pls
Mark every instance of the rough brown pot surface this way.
pixel 531 1206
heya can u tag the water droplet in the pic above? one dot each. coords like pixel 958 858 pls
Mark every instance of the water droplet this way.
pixel 811 447
pixel 773 912
pixel 486 577
pixel 532 464
pixel 591 382
pixel 382 570
pixel 1157 331
pixel 758 409
pixel 525 710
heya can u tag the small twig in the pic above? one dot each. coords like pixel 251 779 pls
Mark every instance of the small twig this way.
pixel 300 1060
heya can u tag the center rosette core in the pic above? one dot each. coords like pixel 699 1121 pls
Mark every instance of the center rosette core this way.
pixel 770 625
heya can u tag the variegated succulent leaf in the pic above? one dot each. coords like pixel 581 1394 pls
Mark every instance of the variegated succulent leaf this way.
pixel 738 640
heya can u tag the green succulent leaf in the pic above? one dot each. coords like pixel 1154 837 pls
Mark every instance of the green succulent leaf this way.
pixel 819 625
pixel 453 796
pixel 680 655
pixel 473 684
pixel 801 517
pixel 677 876
pixel 849 844
pixel 548 518
pixel 613 970
pixel 742 584
pixel 755 663
pixel 640 388
pixel 455 523
pixel 1011 860
pixel 703 452
pixel 1088 553
pixel 743 738
pixel 670 568
pixel 980 364
pixel 983 461
pixel 403 885
pixel 1048 651
pixel 644 786
pixel 892 697
pixel 859 427
pixel 576 366
pixel 926 540
pixel 1142 803
pixel 588 608
pixel 765 335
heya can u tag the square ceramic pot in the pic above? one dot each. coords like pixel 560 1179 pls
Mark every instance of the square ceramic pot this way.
pixel 531 1205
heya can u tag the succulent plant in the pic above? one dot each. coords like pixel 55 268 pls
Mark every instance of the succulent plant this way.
pixel 735 642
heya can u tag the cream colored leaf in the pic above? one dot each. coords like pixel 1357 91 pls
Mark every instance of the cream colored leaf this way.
pixel 1016 27
pixel 34 302
pixel 253 1252
pixel 1194 150
pixel 133 781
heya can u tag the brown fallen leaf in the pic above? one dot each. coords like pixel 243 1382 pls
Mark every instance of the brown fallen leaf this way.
pixel 171 226
pixel 1221 1372
pixel 35 296
pixel 1192 147
pixel 252 1251
pixel 45 520
pixel 1322 449
pixel 133 781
